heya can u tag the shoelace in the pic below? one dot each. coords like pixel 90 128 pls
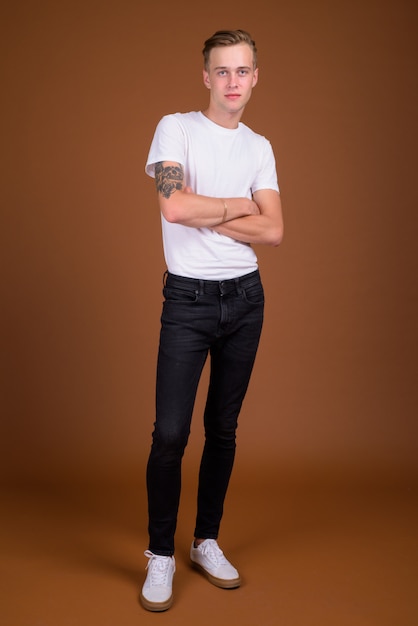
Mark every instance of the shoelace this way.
pixel 211 549
pixel 159 567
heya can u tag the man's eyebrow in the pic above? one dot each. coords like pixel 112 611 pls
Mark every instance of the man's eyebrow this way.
pixel 224 67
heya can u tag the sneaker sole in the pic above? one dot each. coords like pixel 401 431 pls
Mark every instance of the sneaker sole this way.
pixel 156 607
pixel 223 583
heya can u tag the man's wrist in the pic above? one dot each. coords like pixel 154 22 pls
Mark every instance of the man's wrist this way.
pixel 225 213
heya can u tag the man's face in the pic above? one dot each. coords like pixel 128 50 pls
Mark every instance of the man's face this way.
pixel 230 77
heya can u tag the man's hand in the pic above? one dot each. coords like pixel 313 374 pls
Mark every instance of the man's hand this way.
pixel 254 208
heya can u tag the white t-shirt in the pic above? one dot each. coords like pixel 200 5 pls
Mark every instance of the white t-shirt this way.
pixel 217 162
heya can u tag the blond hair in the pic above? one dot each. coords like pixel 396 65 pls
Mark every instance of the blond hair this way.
pixel 228 38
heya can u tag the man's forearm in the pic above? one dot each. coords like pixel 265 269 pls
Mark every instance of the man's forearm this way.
pixel 199 211
pixel 254 229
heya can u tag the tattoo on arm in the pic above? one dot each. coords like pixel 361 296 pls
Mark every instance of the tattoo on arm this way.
pixel 168 179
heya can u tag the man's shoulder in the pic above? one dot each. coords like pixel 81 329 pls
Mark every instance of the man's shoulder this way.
pixel 253 135
pixel 182 118
pixel 179 123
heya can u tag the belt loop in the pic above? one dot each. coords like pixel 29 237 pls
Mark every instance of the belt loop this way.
pixel 165 278
pixel 201 287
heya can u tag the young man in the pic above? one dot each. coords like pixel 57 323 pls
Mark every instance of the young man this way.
pixel 218 194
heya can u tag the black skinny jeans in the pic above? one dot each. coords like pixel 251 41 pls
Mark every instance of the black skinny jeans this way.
pixel 200 317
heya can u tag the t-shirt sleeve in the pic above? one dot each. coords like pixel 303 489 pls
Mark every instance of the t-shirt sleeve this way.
pixel 266 177
pixel 168 144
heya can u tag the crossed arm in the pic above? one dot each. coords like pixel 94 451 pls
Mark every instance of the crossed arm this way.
pixel 257 221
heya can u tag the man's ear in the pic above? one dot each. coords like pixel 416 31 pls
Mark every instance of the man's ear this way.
pixel 255 77
pixel 206 79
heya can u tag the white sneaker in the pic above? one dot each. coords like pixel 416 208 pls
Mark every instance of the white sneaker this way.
pixel 209 558
pixel 157 592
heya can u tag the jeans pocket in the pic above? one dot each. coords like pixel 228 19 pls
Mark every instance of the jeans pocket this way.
pixel 254 294
pixel 177 294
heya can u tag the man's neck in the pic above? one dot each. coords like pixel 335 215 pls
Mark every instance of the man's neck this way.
pixel 227 120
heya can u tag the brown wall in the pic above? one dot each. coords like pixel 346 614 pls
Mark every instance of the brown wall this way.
pixel 85 84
